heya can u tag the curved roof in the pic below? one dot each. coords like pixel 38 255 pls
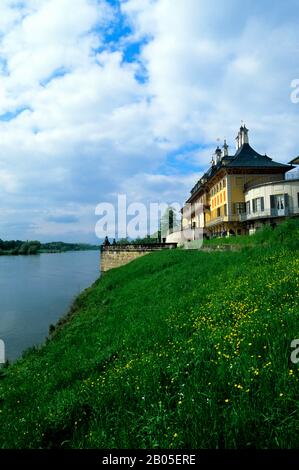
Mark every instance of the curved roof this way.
pixel 247 157
pixel 295 161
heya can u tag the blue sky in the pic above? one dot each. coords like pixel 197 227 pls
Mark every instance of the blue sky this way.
pixel 99 98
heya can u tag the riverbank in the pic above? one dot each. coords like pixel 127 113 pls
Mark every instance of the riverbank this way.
pixel 178 349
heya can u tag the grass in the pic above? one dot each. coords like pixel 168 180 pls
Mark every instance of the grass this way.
pixel 178 349
pixel 287 233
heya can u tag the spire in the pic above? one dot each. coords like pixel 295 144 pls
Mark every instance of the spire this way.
pixel 245 135
pixel 218 154
pixel 225 149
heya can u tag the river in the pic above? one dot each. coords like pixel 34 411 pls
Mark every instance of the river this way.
pixel 36 290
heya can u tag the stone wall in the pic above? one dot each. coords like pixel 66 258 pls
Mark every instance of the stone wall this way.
pixel 119 255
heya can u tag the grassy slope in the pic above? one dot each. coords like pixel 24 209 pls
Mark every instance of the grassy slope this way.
pixel 177 349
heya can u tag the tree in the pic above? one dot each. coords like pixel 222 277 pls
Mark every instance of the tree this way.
pixel 169 222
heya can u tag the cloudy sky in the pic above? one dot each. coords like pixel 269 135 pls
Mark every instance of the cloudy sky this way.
pixel 107 97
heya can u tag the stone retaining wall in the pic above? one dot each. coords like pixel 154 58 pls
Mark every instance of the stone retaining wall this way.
pixel 119 255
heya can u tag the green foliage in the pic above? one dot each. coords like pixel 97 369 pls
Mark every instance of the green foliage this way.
pixel 178 349
pixel 29 248
pixel 60 247
pixel 286 233
pixel 18 247
pixel 138 241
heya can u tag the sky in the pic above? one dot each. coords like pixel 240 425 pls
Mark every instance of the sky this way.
pixel 100 98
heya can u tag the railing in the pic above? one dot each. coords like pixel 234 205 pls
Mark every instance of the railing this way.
pixel 280 212
pixel 265 213
pixel 139 247
pixel 217 220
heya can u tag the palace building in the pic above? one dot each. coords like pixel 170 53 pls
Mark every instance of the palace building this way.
pixel 241 192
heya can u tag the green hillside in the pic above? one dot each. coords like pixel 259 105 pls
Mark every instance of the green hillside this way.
pixel 179 349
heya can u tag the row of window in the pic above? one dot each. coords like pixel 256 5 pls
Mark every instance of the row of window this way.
pixel 218 187
pixel 256 205
pixel 219 199
pixel 277 202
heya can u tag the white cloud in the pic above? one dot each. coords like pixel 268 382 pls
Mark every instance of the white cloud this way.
pixel 212 64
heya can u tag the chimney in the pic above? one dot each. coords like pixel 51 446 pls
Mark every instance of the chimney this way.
pixel 241 134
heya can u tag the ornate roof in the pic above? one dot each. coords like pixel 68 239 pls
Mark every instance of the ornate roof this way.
pixel 247 157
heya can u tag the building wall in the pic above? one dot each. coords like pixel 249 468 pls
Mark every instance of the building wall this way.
pixel 290 187
pixel 182 237
pixel 237 182
pixel 218 198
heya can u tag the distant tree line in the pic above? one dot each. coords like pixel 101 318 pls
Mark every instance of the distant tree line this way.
pixel 19 247
pixel 59 247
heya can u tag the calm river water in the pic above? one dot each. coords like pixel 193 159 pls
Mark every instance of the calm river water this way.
pixel 36 291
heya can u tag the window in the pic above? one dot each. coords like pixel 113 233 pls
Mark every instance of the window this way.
pixel 279 203
pixel 240 208
pixel 258 204
pixel 218 212
pixel 248 207
pixel 225 209
pixel 224 184
pixel 298 199
pixel 220 185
